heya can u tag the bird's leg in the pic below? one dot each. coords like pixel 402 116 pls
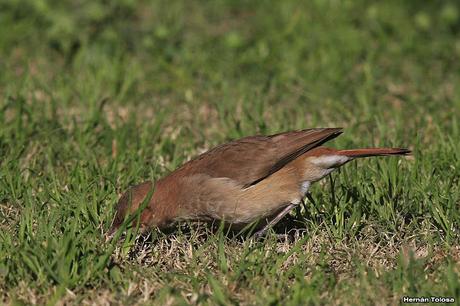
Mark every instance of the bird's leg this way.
pixel 304 204
pixel 310 198
pixel 275 220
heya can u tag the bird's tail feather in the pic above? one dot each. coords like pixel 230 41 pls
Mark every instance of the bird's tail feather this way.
pixel 355 153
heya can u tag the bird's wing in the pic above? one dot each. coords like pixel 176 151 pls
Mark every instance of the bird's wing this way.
pixel 251 159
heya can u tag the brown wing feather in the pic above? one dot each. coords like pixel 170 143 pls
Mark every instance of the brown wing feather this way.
pixel 304 143
pixel 251 159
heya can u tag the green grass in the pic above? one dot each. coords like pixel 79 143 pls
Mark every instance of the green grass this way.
pixel 96 97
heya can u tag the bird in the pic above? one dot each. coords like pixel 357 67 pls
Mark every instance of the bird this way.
pixel 252 179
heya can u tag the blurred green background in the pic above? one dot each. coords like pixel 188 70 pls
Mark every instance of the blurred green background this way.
pixel 301 54
pixel 98 95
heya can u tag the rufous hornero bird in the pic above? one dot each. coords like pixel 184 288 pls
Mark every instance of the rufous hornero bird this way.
pixel 253 178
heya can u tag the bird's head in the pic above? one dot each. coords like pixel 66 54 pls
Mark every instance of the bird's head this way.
pixel 134 207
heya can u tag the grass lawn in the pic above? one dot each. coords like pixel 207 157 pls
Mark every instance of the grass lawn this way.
pixel 96 96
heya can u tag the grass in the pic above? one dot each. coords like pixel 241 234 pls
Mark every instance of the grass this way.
pixel 95 97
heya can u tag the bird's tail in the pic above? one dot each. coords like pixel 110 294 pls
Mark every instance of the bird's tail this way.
pixel 356 153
